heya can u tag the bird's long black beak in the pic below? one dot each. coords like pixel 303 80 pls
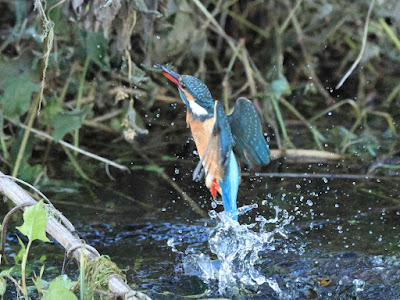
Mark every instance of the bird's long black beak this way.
pixel 167 72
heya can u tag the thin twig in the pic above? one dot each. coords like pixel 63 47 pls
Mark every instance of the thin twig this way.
pixel 139 92
pixel 30 186
pixel 321 175
pixel 31 118
pixel 364 42
pixel 318 137
pixel 285 23
pixel 164 176
pixel 390 33
pixel 89 154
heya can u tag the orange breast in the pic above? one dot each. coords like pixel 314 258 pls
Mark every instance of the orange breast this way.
pixel 201 132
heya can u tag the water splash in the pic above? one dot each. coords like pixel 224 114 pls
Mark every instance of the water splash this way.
pixel 237 248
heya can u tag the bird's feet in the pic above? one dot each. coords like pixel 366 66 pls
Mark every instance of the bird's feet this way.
pixel 214 188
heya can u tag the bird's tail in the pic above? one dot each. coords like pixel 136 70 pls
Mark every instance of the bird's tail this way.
pixel 229 187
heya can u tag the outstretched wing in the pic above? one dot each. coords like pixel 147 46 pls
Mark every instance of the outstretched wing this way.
pixel 218 148
pixel 249 141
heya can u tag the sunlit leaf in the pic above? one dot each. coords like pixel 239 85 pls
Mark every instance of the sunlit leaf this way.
pixel 59 289
pixel 35 220
pixel 17 95
pixel 3 286
pixel 65 122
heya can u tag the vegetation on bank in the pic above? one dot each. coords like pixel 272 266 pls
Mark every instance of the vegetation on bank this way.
pixel 324 75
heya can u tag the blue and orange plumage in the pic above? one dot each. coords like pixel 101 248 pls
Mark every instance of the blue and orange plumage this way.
pixel 219 137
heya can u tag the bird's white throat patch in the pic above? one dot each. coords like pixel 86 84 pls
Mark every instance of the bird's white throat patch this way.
pixel 197 109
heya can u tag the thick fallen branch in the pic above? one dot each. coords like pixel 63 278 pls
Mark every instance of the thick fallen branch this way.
pixel 70 241
pixel 304 155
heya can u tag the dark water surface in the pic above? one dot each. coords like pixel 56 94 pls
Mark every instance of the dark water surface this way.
pixel 343 242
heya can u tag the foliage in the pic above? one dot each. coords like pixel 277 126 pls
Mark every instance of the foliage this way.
pixel 60 289
pixel 293 56
pixel 35 219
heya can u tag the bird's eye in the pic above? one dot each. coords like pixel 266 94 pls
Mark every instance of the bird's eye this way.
pixel 182 85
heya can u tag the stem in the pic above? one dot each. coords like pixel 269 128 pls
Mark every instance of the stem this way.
pixel 15 282
pixel 348 136
pixel 337 105
pixel 34 108
pixel 286 140
pixel 82 274
pixel 4 146
pixel 78 168
pixel 363 43
pixel 79 97
pixel 317 135
pixel 390 33
pixel 23 265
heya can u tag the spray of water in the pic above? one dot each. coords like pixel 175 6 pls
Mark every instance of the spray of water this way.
pixel 237 248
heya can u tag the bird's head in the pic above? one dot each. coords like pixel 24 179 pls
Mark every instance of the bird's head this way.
pixel 193 92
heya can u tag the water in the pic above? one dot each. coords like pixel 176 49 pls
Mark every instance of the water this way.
pixel 236 248
pixel 297 239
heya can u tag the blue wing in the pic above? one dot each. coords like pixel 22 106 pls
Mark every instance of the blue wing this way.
pixel 249 141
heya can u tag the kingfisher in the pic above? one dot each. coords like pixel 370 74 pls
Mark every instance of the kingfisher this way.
pixel 220 138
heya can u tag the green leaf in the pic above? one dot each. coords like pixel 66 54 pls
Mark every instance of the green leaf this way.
pixel 16 271
pixel 96 48
pixel 50 111
pixel 153 168
pixel 6 270
pixel 149 168
pixel 59 289
pixel 3 286
pixel 27 172
pixel 67 121
pixel 280 87
pixel 168 158
pixel 35 220
pixel 17 95
pixel 21 253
